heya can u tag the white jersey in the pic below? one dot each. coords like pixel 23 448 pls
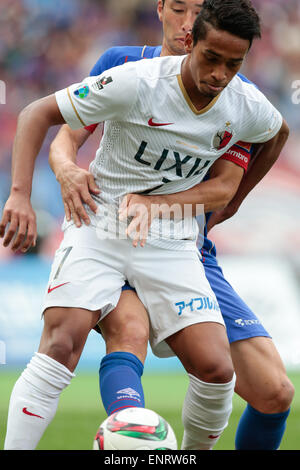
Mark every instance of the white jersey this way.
pixel 155 141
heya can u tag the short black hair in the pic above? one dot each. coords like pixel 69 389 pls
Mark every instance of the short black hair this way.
pixel 237 17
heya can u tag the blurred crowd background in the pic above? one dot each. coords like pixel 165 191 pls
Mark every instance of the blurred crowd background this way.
pixel 47 44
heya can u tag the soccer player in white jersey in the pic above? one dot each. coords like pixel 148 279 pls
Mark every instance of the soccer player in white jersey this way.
pixel 179 96
pixel 126 329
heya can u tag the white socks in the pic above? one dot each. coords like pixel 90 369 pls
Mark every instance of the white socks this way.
pixel 34 401
pixel 205 413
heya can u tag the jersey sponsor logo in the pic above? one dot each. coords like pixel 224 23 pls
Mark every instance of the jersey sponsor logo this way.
pixel 243 322
pixel 199 166
pixel 198 303
pixel 185 144
pixel 26 412
pixel 82 92
pixel 159 124
pixel 100 84
pixel 50 289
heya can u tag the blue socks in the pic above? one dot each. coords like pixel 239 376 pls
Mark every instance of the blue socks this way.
pixel 259 431
pixel 120 382
pixel 121 387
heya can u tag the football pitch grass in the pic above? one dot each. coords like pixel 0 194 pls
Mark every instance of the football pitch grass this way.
pixel 80 410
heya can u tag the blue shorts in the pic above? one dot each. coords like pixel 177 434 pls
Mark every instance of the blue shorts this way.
pixel 241 323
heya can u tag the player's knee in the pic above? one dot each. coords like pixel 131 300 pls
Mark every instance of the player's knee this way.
pixel 286 394
pixel 215 371
pixel 282 397
pixel 131 337
pixel 278 399
pixel 59 347
pixel 218 375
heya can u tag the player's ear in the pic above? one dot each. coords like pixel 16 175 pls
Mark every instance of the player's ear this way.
pixel 188 43
pixel 160 9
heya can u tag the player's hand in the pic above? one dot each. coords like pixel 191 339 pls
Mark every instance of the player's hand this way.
pixel 20 219
pixel 143 210
pixel 77 185
pixel 220 216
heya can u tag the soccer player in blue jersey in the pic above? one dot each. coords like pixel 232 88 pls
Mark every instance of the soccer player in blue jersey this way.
pixel 261 376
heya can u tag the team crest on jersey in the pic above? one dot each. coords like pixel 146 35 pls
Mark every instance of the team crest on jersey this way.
pixel 100 84
pixel 82 92
pixel 222 138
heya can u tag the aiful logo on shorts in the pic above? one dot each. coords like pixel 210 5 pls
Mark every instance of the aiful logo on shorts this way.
pixel 198 303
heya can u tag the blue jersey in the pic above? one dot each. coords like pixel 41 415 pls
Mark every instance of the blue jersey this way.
pixel 120 55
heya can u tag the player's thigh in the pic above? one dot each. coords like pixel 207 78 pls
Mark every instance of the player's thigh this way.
pixel 86 272
pixel 126 328
pixel 261 376
pixel 65 332
pixel 203 350
pixel 173 287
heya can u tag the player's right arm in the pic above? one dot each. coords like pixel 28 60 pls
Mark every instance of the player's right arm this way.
pixel 33 124
pixel 66 106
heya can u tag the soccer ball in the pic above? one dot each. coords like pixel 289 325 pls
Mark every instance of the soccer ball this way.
pixel 135 429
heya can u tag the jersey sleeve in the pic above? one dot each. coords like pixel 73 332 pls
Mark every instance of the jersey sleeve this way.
pixel 240 154
pixel 102 64
pixel 106 97
pixel 111 58
pixel 107 60
pixel 266 122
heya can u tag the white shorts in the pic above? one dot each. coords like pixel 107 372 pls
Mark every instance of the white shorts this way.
pixel 89 273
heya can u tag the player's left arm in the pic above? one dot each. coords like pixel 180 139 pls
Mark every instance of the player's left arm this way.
pixel 210 195
pixel 267 155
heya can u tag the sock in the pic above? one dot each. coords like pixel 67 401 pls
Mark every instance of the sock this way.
pixel 260 431
pixel 205 413
pixel 34 401
pixel 120 381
